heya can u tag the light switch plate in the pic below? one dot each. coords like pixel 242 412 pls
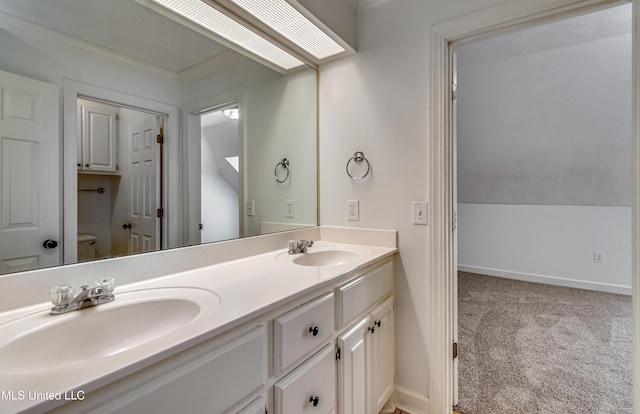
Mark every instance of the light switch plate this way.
pixel 251 208
pixel 289 210
pixel 419 212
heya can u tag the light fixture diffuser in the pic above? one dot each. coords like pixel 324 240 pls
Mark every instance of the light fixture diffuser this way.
pixel 293 25
pixel 227 28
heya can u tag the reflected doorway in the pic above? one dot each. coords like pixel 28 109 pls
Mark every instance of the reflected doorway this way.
pixel 120 158
pixel 219 174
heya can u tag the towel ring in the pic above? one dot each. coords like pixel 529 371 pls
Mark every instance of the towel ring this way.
pixel 285 165
pixel 358 157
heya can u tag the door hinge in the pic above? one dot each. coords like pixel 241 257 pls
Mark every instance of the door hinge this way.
pixel 160 213
pixel 338 355
pixel 454 91
pixel 455 350
pixel 454 220
pixel 200 226
pixel 160 139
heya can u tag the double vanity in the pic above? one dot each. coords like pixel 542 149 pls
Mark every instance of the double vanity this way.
pixel 257 328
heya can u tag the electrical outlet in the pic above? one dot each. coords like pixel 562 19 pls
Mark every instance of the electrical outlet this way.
pixel 353 210
pixel 289 209
pixel 598 256
pixel 419 212
pixel 251 208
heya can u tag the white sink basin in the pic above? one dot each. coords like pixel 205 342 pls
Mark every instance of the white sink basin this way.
pixel 323 256
pixel 326 258
pixel 43 342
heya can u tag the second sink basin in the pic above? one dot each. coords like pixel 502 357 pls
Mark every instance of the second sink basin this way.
pixel 43 342
pixel 324 256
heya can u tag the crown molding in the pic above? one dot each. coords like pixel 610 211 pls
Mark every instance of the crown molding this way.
pixel 14 23
pixel 211 65
pixel 364 5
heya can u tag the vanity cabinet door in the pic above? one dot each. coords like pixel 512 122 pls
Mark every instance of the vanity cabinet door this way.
pixel 256 406
pixel 310 388
pixel 213 382
pixel 382 354
pixel 357 296
pixel 354 385
pixel 301 331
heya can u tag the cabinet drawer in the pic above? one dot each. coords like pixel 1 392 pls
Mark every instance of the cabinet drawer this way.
pixel 309 388
pixel 299 332
pixel 356 296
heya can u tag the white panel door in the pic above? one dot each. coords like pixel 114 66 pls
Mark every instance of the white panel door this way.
pixel 353 365
pixel 144 186
pixel 29 164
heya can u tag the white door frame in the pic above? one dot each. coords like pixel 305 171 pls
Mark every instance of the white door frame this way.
pixel 503 17
pixel 192 131
pixel 73 90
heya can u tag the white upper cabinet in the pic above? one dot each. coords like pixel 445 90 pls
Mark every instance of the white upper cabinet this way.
pixel 98 136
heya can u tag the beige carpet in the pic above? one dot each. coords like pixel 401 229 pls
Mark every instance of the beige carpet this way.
pixel 533 348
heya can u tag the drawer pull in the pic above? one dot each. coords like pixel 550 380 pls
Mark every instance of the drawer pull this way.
pixel 314 400
pixel 314 330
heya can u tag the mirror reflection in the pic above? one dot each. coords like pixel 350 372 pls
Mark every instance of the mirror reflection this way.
pixel 125 132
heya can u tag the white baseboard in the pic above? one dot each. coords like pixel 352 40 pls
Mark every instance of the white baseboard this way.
pixel 411 402
pixel 549 280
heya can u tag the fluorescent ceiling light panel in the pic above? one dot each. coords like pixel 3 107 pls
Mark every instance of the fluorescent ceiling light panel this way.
pixel 290 23
pixel 227 28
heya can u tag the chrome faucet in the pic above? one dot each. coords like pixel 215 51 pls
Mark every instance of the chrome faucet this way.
pixel 299 246
pixel 64 301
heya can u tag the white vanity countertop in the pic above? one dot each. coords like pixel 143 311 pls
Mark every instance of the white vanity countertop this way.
pixel 244 288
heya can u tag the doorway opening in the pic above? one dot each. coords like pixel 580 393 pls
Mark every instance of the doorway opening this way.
pixel 219 174
pixel 442 152
pixel 543 143
pixel 119 180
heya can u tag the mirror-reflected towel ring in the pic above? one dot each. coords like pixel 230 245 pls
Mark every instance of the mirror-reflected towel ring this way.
pixel 358 157
pixel 284 164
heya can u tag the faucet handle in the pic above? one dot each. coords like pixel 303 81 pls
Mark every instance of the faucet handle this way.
pixel 107 285
pixel 61 294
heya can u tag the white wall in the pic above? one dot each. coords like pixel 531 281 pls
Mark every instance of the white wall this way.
pixel 548 244
pixel 94 211
pixel 544 114
pixel 376 102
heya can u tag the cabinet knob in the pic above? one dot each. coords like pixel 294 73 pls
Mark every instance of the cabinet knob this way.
pixel 126 226
pixel 314 400
pixel 314 330
pixel 377 323
pixel 371 329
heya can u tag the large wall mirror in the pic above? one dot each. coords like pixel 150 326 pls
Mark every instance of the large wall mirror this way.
pixel 123 131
